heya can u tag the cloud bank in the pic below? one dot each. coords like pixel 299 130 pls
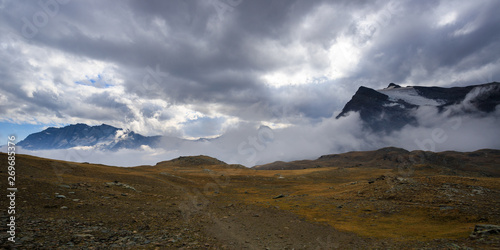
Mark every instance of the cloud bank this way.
pixel 250 146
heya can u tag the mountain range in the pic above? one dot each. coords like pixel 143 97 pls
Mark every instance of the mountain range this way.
pixel 81 135
pixel 384 110
pixel 394 107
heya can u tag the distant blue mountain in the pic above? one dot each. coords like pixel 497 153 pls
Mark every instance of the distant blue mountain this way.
pixel 80 135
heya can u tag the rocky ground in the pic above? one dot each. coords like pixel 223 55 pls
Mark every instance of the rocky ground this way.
pixel 202 203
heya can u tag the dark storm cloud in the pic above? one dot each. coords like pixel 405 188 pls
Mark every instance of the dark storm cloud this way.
pixel 413 41
pixel 108 107
pixel 188 53
pixel 216 73
pixel 47 99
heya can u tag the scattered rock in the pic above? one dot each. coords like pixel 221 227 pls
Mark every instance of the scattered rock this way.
pixel 446 208
pixel 83 235
pixel 65 186
pixel 279 196
pixel 477 191
pixel 119 184
pixel 64 207
pixel 60 196
pixel 26 239
pixel 402 180
pixel 279 176
pixel 483 230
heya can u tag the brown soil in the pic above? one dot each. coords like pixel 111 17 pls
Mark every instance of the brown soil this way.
pixel 202 203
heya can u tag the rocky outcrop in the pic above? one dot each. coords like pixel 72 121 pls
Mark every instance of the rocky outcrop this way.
pixel 378 112
pixel 483 230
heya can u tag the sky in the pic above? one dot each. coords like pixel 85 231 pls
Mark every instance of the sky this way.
pixel 193 69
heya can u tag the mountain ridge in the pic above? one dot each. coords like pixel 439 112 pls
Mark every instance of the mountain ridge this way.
pixel 82 135
pixel 398 158
pixel 392 108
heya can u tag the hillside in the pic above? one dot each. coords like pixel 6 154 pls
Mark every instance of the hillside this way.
pixel 479 163
pixel 201 202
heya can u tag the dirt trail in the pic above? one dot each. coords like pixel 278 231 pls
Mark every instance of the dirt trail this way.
pixel 252 227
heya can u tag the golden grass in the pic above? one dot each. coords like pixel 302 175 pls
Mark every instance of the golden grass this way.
pixel 340 197
pixel 319 200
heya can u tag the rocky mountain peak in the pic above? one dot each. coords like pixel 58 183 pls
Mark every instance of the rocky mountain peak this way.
pixel 392 108
pixel 393 86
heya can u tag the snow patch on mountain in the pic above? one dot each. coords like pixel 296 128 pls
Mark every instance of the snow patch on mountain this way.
pixel 393 104
pixel 409 95
pixel 481 92
pixel 121 134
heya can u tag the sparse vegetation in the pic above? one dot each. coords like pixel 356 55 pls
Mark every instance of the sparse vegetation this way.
pixel 201 202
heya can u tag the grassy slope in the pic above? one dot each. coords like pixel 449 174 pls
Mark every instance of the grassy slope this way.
pixel 423 203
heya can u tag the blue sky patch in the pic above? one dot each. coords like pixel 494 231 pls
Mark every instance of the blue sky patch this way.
pixel 98 82
pixel 21 131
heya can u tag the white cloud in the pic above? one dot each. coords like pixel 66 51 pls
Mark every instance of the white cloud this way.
pixel 447 19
